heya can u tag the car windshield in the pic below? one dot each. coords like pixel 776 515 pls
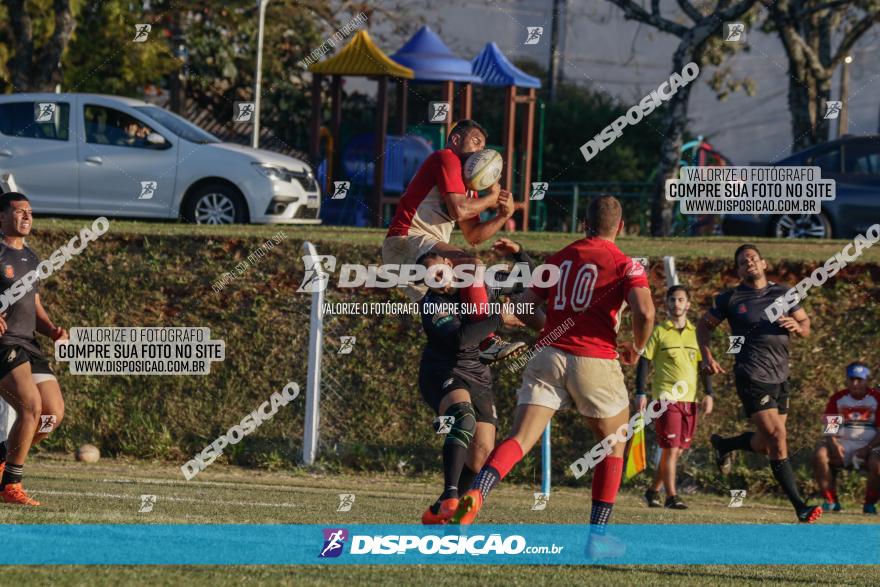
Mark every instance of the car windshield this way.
pixel 179 126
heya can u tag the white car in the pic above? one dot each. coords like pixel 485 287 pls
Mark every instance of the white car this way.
pixel 90 154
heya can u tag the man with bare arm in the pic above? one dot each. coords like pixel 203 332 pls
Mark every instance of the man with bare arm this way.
pixel 26 380
pixel 761 369
pixel 435 200
pixel 580 369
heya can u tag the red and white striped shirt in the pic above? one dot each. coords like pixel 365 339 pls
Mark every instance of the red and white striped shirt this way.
pixel 421 210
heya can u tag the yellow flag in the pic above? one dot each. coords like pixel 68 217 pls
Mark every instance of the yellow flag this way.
pixel 636 461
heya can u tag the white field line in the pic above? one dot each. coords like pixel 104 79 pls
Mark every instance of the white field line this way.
pixel 164 498
pixel 184 483
pixel 246 485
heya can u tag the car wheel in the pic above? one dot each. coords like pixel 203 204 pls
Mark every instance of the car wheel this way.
pixel 215 204
pixel 802 226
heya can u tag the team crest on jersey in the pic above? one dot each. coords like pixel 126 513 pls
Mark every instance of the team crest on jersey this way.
pixel 9 271
pixel 635 268
pixel 741 309
pixel 692 356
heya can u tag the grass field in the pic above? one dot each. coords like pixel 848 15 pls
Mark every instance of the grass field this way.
pixel 683 247
pixel 109 492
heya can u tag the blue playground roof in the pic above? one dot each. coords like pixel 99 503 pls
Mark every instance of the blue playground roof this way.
pixel 495 69
pixel 432 61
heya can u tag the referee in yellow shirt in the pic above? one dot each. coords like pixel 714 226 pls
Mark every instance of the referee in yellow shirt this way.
pixel 676 355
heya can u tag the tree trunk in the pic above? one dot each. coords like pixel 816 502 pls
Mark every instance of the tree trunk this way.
pixel 801 107
pixel 34 70
pixel 674 122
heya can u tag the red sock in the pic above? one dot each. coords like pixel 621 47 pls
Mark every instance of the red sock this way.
pixel 830 496
pixel 606 479
pixel 504 457
pixel 871 496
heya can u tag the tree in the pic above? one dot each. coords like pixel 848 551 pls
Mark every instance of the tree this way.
pixel 102 57
pixel 696 44
pixel 36 37
pixel 807 29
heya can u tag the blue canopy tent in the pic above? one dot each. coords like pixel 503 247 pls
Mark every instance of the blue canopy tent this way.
pixel 433 62
pixel 494 69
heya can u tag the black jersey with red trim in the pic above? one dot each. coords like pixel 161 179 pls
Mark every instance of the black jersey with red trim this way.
pixel 21 315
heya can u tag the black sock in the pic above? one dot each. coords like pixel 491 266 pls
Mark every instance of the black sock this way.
pixel 784 475
pixel 455 446
pixel 11 474
pixel 454 456
pixel 600 516
pixel 741 442
pixel 466 479
pixel 3 452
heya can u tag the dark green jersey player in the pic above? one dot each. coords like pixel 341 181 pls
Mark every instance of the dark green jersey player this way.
pixel 761 368
pixel 26 380
pixel 456 384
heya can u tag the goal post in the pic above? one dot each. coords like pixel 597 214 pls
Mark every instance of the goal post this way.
pixel 316 347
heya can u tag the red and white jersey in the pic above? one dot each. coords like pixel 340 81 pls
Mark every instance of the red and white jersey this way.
pixel 861 417
pixel 595 279
pixel 421 209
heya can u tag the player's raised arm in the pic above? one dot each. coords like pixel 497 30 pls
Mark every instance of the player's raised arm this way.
pixel 705 326
pixel 798 323
pixel 536 318
pixel 462 208
pixel 476 232
pixel 525 299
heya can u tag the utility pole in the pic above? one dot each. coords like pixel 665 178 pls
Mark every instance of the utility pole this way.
pixel 555 23
pixel 255 141
pixel 178 43
pixel 843 119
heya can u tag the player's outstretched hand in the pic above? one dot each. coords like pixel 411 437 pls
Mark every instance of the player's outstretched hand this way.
pixel 60 334
pixel 790 324
pixel 511 320
pixel 708 404
pixel 505 246
pixel 712 366
pixel 627 353
pixel 505 204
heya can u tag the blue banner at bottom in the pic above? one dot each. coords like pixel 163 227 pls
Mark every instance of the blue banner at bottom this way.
pixel 233 544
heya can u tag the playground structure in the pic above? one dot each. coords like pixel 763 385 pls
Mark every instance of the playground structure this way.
pixel 377 179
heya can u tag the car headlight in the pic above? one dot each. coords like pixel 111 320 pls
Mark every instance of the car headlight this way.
pixel 305 178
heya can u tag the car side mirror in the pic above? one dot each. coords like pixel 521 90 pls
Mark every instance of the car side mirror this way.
pixel 156 140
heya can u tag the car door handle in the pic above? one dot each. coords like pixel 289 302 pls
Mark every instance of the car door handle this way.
pixel 94 159
pixel 5 153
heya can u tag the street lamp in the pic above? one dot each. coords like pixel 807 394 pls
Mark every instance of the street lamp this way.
pixel 255 140
pixel 843 119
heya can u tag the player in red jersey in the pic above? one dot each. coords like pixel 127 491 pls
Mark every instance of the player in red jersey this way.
pixel 434 201
pixel 852 442
pixel 580 368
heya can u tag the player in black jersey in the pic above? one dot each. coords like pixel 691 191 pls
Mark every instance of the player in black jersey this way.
pixel 760 370
pixel 26 380
pixel 456 384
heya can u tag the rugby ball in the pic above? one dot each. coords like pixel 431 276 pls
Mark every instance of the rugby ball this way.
pixel 88 453
pixel 483 169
